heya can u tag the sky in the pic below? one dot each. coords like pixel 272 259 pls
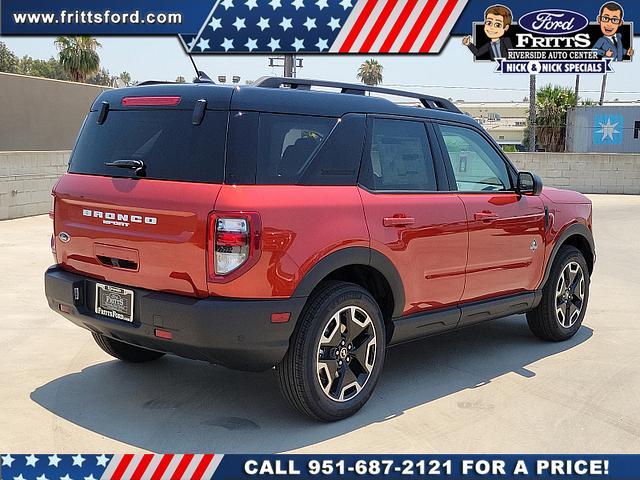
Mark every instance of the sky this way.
pixel 452 74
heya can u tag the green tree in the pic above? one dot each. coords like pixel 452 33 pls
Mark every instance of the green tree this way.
pixel 180 79
pixel 125 77
pixel 370 72
pixel 42 68
pixel 8 60
pixel 552 104
pixel 79 56
pixel 103 77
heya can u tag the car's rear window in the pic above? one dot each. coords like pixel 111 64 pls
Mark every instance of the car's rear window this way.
pixel 171 147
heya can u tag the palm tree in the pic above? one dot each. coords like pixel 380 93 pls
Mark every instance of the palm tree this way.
pixel 370 73
pixel 552 105
pixel 78 56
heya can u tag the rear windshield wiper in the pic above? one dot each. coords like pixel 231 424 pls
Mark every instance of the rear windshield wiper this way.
pixel 137 166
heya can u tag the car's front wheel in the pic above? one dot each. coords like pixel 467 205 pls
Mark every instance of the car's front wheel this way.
pixel 564 297
pixel 336 354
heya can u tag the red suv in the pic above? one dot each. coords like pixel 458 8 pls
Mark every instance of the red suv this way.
pixel 278 225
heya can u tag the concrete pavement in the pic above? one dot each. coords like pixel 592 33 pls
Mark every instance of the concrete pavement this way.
pixel 489 388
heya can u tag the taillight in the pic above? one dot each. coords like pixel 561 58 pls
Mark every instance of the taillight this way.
pixel 52 216
pixel 233 242
pixel 150 101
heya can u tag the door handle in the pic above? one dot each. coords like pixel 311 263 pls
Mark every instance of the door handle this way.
pixel 398 221
pixel 485 216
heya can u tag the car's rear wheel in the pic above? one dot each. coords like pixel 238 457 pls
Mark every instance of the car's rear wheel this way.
pixel 124 351
pixel 564 297
pixel 336 354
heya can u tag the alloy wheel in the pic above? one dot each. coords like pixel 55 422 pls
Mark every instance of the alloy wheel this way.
pixel 570 291
pixel 346 353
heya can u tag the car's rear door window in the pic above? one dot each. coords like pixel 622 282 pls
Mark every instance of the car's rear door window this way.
pixel 399 157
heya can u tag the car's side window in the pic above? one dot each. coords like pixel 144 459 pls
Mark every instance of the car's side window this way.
pixel 399 158
pixel 476 165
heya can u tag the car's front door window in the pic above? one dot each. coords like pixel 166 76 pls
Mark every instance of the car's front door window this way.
pixel 476 165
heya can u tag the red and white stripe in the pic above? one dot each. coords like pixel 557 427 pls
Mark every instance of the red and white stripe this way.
pixel 152 466
pixel 398 26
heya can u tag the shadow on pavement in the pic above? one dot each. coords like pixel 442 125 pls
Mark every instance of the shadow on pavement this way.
pixel 181 405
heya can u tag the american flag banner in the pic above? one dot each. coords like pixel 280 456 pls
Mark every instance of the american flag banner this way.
pixel 326 26
pixel 149 466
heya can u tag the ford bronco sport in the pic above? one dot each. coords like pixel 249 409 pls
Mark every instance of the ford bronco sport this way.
pixel 282 225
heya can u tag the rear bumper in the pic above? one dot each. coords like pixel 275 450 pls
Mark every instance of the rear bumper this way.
pixel 234 333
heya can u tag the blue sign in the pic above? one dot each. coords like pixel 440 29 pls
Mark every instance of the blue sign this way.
pixel 608 130
pixel 553 22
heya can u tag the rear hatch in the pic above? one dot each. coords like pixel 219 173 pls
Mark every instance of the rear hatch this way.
pixel 143 177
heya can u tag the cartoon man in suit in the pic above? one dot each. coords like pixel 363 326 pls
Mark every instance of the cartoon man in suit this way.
pixel 497 20
pixel 610 46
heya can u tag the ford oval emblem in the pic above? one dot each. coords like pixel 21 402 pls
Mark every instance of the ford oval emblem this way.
pixel 64 237
pixel 553 22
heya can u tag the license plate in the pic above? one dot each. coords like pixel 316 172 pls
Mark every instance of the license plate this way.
pixel 114 302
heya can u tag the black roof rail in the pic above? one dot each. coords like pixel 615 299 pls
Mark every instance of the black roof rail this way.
pixel 428 101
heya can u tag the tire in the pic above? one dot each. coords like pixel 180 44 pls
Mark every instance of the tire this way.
pixel 343 325
pixel 124 351
pixel 557 318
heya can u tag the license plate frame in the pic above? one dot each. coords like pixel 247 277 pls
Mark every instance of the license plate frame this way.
pixel 114 302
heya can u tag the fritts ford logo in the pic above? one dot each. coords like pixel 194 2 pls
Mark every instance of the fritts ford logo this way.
pixel 552 40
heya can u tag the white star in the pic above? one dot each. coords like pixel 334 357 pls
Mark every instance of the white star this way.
pixel 192 43
pixel 251 44
pixel 298 4
pixel 239 24
pixel 78 460
pixel 31 460
pixel 102 460
pixel 310 24
pixel 275 4
pixel 322 4
pixel 346 4
pixel 54 460
pixel 227 4
pixel 273 44
pixel 263 23
pixel 66 477
pixel 608 130
pixel 251 4
pixel 286 23
pixel 42 477
pixel 19 477
pixel 90 477
pixel 298 44
pixel 334 23
pixel 7 460
pixel 227 44
pixel 215 23
pixel 203 44
pixel 322 44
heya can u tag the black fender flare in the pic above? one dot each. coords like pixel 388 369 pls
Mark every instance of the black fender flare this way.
pixel 354 256
pixel 570 231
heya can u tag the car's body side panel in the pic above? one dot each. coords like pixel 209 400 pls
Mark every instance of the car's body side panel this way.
pixel 430 253
pixel 300 226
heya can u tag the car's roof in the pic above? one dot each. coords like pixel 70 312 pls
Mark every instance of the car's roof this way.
pixel 277 100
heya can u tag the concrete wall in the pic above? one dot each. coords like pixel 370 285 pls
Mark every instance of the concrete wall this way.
pixel 584 172
pixel 42 114
pixel 26 180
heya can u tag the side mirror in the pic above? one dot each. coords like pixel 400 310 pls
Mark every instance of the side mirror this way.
pixel 529 184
